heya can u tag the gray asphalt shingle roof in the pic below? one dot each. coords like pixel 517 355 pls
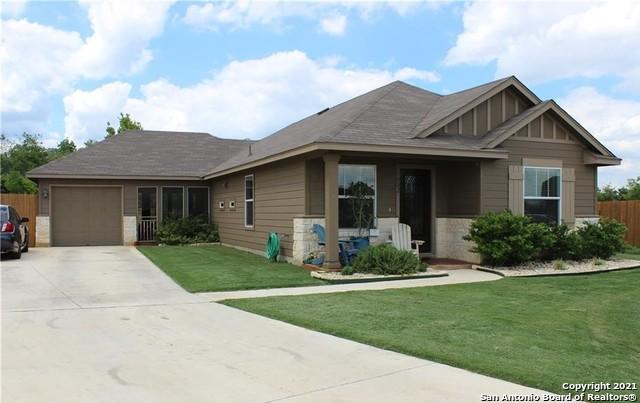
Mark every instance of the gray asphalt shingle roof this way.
pixel 147 153
pixel 391 115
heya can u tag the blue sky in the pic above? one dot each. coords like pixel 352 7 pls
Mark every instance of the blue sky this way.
pixel 245 69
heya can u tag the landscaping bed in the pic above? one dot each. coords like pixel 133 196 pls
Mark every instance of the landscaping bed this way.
pixel 559 268
pixel 338 278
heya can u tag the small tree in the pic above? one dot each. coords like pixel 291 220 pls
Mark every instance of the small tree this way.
pixel 125 122
pixel 362 206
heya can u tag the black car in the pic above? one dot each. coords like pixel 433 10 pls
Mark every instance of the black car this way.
pixel 14 232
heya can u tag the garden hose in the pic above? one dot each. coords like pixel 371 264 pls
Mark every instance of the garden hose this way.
pixel 273 246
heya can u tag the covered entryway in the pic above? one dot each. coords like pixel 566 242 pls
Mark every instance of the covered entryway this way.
pixel 84 215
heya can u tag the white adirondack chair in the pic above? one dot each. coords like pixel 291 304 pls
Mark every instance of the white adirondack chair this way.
pixel 401 239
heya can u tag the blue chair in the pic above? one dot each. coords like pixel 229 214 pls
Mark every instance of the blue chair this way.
pixel 347 252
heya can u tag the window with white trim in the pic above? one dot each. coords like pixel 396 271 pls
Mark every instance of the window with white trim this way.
pixel 248 201
pixel 354 180
pixel 542 194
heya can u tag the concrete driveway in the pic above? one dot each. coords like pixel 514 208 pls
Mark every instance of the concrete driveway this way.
pixel 103 324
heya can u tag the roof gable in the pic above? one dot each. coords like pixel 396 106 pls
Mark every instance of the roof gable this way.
pixel 510 127
pixel 453 106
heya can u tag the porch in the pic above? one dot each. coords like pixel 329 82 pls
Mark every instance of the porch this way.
pixel 436 196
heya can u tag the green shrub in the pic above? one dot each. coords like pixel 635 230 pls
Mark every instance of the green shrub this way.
pixel 505 239
pixel 565 244
pixel 347 271
pixel 386 259
pixel 186 230
pixel 601 240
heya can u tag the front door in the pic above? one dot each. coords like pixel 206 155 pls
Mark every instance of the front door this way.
pixel 415 204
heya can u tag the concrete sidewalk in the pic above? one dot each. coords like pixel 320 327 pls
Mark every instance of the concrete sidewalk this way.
pixel 455 277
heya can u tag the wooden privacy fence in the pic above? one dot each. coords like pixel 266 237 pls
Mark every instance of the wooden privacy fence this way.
pixel 626 212
pixel 27 206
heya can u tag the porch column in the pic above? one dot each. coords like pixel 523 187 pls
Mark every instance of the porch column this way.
pixel 331 258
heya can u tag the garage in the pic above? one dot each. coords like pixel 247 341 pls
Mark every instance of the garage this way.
pixel 83 215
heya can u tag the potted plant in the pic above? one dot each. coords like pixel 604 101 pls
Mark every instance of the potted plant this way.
pixel 362 204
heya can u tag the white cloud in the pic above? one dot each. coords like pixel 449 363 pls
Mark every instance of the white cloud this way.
pixel 13 8
pixel 87 112
pixel 540 41
pixel 615 122
pixel 121 35
pixel 332 16
pixel 334 25
pixel 39 61
pixel 250 98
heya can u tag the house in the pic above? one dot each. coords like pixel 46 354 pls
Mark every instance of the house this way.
pixel 431 161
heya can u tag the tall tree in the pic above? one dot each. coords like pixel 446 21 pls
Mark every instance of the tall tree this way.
pixel 126 122
pixel 633 189
pixel 18 158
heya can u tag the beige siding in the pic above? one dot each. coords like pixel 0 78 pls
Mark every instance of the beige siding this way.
pixel 467 123
pixel 130 187
pixel 495 191
pixel 496 110
pixel 314 187
pixel 279 197
pixel 489 114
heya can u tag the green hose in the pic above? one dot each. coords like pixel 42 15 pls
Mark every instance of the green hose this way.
pixel 273 247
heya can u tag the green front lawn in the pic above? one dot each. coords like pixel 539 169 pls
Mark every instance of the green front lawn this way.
pixel 631 252
pixel 219 268
pixel 539 332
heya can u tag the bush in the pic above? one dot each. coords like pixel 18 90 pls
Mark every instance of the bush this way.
pixel 386 259
pixel 505 239
pixel 601 240
pixel 347 271
pixel 566 244
pixel 187 230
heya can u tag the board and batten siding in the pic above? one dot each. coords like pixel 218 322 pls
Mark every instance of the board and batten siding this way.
pixel 279 196
pixel 488 114
pixel 129 186
pixel 495 174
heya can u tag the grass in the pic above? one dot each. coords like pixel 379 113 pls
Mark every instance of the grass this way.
pixel 631 252
pixel 219 268
pixel 539 332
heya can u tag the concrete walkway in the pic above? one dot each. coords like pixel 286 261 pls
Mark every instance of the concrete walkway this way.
pixel 454 277
pixel 104 325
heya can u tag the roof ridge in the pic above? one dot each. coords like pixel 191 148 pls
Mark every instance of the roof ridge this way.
pixel 393 83
pixel 392 86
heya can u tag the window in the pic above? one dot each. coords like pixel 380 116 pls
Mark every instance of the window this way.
pixel 542 194
pixel 248 201
pixel 172 203
pixel 198 202
pixel 352 181
pixel 147 203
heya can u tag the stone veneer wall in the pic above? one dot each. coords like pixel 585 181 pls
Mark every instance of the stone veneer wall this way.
pixel 42 231
pixel 129 229
pixel 305 241
pixel 580 221
pixel 449 242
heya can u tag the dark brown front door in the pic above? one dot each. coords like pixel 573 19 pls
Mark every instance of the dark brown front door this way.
pixel 415 204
